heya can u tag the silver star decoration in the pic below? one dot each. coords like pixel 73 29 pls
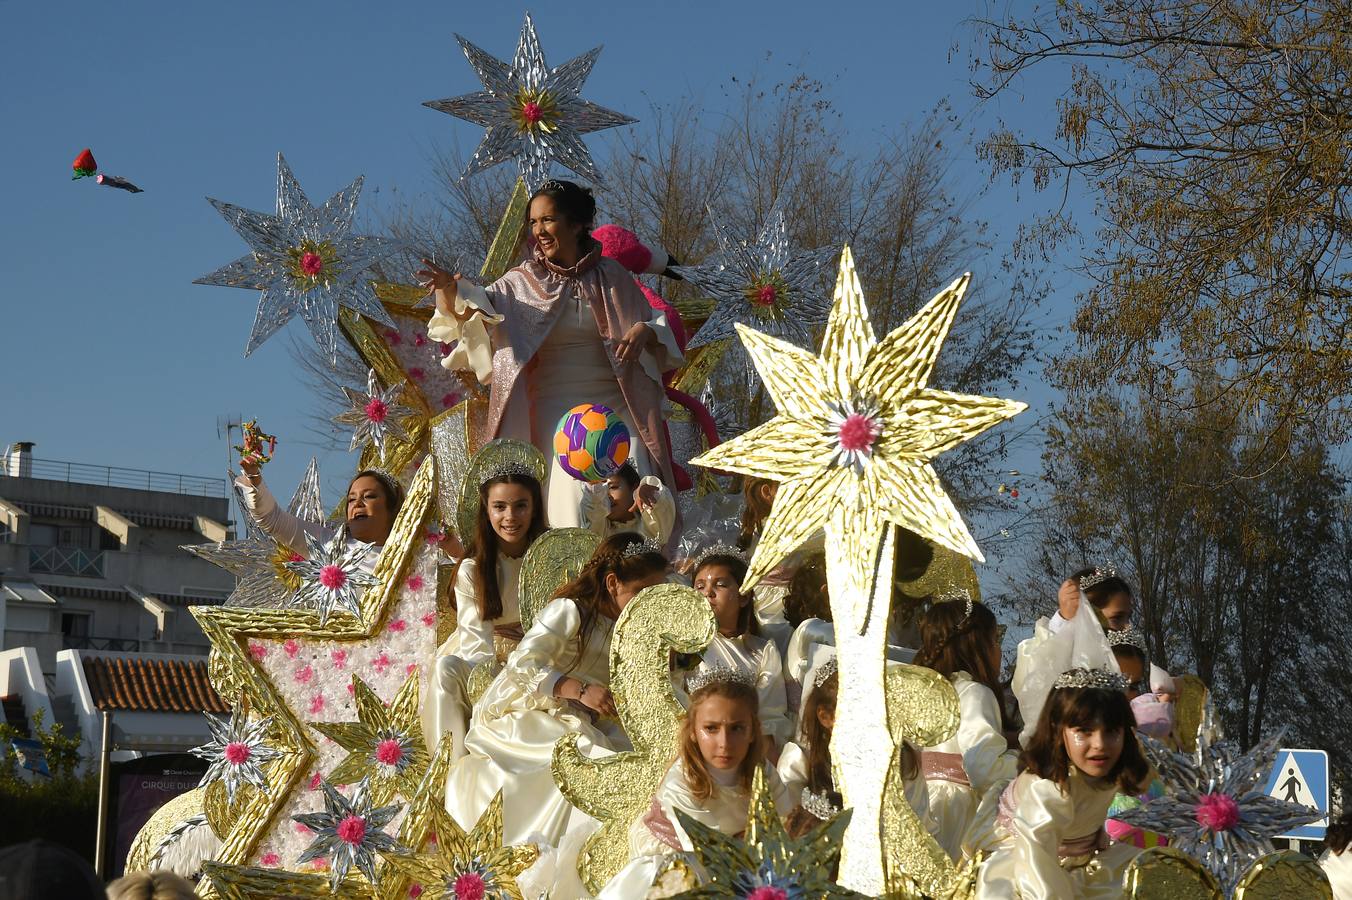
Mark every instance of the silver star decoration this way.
pixel 533 113
pixel 304 260
pixel 375 414
pixel 769 285
pixel 236 752
pixel 332 576
pixel 1217 767
pixel 349 833
pixel 254 561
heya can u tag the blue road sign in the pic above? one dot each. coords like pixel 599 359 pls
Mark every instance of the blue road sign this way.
pixel 1302 776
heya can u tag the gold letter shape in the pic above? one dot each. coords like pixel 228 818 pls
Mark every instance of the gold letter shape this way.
pixel 859 502
pixel 618 789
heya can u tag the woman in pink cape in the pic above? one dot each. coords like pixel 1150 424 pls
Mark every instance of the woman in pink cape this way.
pixel 565 327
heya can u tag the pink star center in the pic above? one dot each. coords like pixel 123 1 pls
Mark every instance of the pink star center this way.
pixel 376 410
pixel 332 577
pixel 237 753
pixel 469 886
pixel 389 753
pixel 767 893
pixel 858 433
pixel 1218 812
pixel 767 295
pixel 352 830
pixel 530 111
pixel 311 264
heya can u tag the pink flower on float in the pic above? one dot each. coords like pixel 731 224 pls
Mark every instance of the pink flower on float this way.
pixel 339 658
pixel 767 295
pixel 320 864
pixel 530 111
pixel 1218 812
pixel 304 674
pixel 469 886
pixel 315 779
pixel 394 337
pixel 449 400
pixel 389 752
pixel 316 704
pixel 419 340
pixel 430 619
pixel 410 668
pixel 302 829
pixel 295 557
pixel 257 650
pixel 765 892
pixel 332 577
pixel 237 753
pixel 435 536
pixel 351 689
pixel 444 347
pixel 416 890
pixel 269 859
pixel 381 663
pixel 416 373
pixel 291 647
pixel 311 264
pixel 398 625
pixel 855 428
pixel 415 582
pixel 352 830
pixel 376 410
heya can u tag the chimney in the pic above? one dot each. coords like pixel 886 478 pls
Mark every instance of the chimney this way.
pixel 19 460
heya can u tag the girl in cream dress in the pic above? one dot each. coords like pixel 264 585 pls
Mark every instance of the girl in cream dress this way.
pixel 488 616
pixel 1052 844
pixel 555 683
pixel 710 781
pixel 718 576
pixel 960 640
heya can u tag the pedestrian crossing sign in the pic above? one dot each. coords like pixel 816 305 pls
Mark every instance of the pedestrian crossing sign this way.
pixel 1302 776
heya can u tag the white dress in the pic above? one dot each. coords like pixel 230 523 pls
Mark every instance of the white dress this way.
pixel 655 522
pixel 725 811
pixel 1338 868
pixel 516 722
pixel 468 646
pixel 758 658
pixel 960 771
pixel 1044 854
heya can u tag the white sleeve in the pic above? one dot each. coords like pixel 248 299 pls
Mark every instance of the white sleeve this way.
pixel 593 507
pixel 774 703
pixel 474 635
pixel 660 518
pixel 986 756
pixel 1056 622
pixel 473 349
pixel 538 662
pixel 667 354
pixel 280 525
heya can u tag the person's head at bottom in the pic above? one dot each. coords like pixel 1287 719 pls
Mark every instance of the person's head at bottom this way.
pixel 43 869
pixel 157 885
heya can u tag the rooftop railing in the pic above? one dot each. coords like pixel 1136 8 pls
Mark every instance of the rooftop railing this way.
pixel 114 476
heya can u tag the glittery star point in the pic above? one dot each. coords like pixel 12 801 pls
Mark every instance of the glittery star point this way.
pixel 349 833
pixel 237 752
pixel 385 745
pixel 375 414
pixel 332 576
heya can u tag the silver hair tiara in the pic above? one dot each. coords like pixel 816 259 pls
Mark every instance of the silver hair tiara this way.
pixel 953 595
pixel 1098 576
pixel 507 467
pixel 1131 636
pixel 825 671
pixel 386 477
pixel 1101 679
pixel 640 548
pixel 820 805
pixel 717 674
pixel 718 550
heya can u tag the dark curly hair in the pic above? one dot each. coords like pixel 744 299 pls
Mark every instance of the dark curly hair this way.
pixel 1045 753
pixel 575 202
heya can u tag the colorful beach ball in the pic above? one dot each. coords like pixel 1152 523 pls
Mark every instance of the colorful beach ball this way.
pixel 591 442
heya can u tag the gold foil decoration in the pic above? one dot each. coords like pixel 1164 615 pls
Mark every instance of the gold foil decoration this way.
pixel 1284 876
pixel 158 827
pixel 503 252
pixel 1189 708
pixel 401 720
pixel 451 445
pixel 229 628
pixel 947 571
pixel 857 483
pixel 922 710
pixel 765 855
pixel 222 677
pixel 1163 873
pixel 556 558
pixel 699 366
pixel 446 611
pixel 252 883
pixel 494 455
pixel 616 789
pixel 220 812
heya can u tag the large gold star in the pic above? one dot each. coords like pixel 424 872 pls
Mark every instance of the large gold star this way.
pixel 865 399
pixel 385 744
pixel 252 816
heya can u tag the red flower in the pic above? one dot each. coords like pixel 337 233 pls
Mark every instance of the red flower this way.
pixel 312 264
pixel 352 830
pixel 332 577
pixel 236 753
pixel 530 111
pixel 388 752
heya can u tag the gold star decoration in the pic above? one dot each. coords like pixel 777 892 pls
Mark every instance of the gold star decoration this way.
pixel 229 630
pixel 766 857
pixel 473 864
pixel 851 444
pixel 385 744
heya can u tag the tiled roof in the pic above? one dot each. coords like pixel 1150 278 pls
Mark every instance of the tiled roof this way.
pixel 151 685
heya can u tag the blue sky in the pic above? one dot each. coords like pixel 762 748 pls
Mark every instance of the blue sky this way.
pixel 111 354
